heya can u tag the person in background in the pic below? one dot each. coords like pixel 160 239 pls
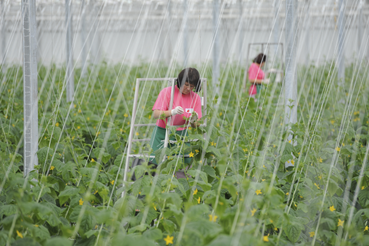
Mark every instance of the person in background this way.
pixel 186 103
pixel 256 75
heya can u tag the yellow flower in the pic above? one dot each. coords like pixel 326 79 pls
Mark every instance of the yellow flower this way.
pixel 312 233
pixel 317 186
pixel 125 115
pixel 320 177
pixel 338 149
pixel 273 145
pixel 195 192
pixel 343 144
pixel 253 211
pixel 220 114
pixel 218 125
pixel 52 168
pixel 19 234
pixel 95 192
pixel 191 154
pixel 198 200
pixel 258 192
pixel 332 208
pixel 271 221
pixel 263 180
pixel 292 162
pixel 74 106
pixel 287 193
pixel 112 182
pixel 137 134
pixel 366 228
pixel 13 125
pixel 92 160
pixel 275 228
pixel 265 238
pixel 57 124
pixel 340 222
pixel 154 206
pixel 332 122
pixel 78 127
pixel 80 202
pixel 36 225
pixel 88 118
pixel 79 111
pixel 168 240
pixel 212 218
pixel 197 151
pixel 362 187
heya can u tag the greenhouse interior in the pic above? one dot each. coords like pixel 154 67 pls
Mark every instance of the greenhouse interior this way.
pixel 184 122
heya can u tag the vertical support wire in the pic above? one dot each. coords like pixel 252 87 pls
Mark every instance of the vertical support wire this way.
pixel 3 36
pixel 341 40
pixel 360 30
pixel 185 33
pixel 216 25
pixel 30 85
pixel 69 47
pixel 84 40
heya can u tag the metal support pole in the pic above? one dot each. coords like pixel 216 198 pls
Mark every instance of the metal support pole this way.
pixel 169 43
pixel 185 33
pixel 241 34
pixel 216 46
pixel 291 74
pixel 30 85
pixel 3 36
pixel 276 26
pixel 307 33
pixel 95 49
pixel 69 76
pixel 341 39
pixel 84 39
pixel 360 29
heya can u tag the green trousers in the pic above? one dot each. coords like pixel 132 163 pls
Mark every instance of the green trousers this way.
pixel 158 138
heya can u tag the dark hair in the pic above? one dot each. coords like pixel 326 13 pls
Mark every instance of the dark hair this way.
pixel 190 75
pixel 260 58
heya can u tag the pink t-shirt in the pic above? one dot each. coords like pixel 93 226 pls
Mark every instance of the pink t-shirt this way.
pixel 255 72
pixel 190 102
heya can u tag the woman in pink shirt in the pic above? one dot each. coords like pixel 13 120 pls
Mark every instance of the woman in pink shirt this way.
pixel 186 103
pixel 256 75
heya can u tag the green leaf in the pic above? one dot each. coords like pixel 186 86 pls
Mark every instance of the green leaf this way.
pixel 205 228
pixel 209 170
pixel 66 194
pixel 139 228
pixel 363 197
pixel 293 232
pixel 169 226
pixel 129 240
pixel 153 234
pixel 7 210
pixel 58 241
pixel 26 242
pixel 330 223
pixel 214 151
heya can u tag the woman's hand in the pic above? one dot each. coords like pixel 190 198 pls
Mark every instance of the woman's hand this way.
pixel 177 110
